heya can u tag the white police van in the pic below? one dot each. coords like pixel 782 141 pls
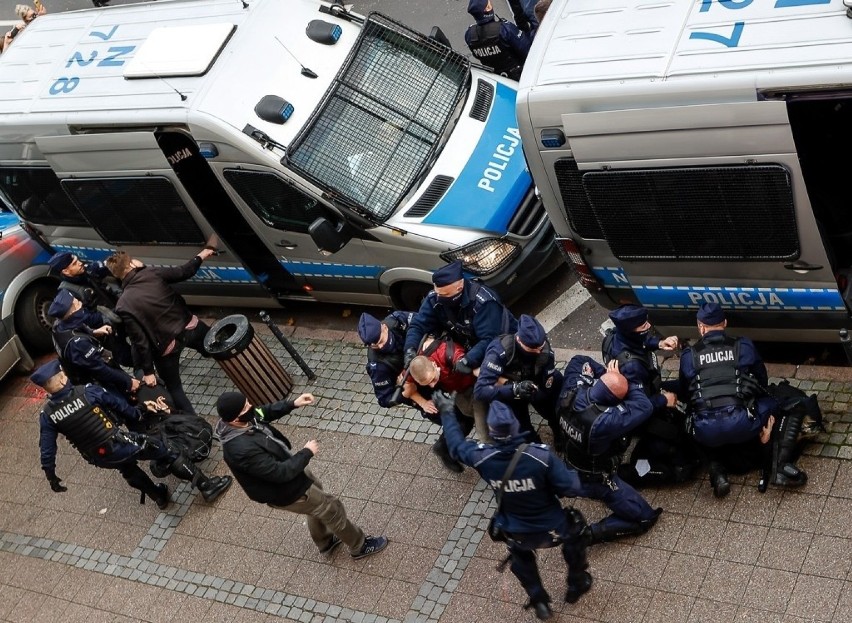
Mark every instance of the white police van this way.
pixel 692 152
pixel 333 157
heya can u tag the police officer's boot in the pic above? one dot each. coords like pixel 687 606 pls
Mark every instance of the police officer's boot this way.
pixel 578 588
pixel 784 471
pixel 542 609
pixel 211 487
pixel 139 480
pixel 604 531
pixel 719 480
pixel 443 452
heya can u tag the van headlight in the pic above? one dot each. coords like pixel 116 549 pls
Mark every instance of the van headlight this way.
pixel 484 256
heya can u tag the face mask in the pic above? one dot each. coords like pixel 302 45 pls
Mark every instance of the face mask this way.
pixel 247 417
pixel 451 301
pixel 389 345
pixel 644 335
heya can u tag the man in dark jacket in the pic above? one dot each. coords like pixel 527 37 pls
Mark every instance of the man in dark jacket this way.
pixel 530 513
pixel 158 320
pixel 598 409
pixel 468 311
pixel 92 419
pixel 520 370
pixel 262 461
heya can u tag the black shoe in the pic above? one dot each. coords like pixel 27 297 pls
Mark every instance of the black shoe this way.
pixel 575 591
pixel 790 476
pixel 214 486
pixel 721 486
pixel 542 609
pixel 162 499
pixel 372 545
pixel 442 452
pixel 331 545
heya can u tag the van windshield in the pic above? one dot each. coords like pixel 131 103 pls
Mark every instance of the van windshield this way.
pixel 381 122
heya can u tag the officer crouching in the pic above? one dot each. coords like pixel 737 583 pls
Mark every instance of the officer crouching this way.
pixel 529 514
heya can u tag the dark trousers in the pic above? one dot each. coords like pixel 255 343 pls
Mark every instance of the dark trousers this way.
pixel 630 511
pixel 522 548
pixel 124 453
pixel 168 367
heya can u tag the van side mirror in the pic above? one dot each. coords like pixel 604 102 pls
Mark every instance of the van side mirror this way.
pixel 438 35
pixel 328 237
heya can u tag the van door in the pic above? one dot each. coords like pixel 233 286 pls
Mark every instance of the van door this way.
pixel 148 193
pixel 705 203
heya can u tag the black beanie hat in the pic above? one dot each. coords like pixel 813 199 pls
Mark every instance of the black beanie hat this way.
pixel 229 405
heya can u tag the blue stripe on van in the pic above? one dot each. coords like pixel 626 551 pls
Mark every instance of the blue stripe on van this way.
pixel 685 297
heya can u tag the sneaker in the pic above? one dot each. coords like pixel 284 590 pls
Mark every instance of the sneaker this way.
pixel 331 545
pixel 372 545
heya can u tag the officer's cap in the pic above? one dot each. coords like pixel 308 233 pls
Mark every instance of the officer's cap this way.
pixel 477 9
pixel 711 314
pixel 448 274
pixel 629 317
pixel 229 405
pixel 60 261
pixel 530 332
pixel 502 423
pixel 46 372
pixel 369 329
pixel 61 303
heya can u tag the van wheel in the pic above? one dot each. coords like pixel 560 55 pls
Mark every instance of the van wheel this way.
pixel 410 295
pixel 31 320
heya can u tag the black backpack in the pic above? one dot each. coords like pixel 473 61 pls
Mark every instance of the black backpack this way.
pixel 191 434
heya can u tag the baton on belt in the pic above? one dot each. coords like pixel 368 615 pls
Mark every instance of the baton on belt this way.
pixel 287 345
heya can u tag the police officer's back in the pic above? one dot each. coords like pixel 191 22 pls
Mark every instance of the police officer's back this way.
pixel 496 43
pixel 530 512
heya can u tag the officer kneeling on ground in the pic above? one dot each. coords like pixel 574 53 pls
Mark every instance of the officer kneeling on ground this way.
pixel 529 513
pixel 90 418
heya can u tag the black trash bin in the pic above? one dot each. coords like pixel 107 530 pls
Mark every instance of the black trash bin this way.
pixel 247 361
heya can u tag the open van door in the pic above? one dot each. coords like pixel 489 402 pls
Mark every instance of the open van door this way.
pixel 704 203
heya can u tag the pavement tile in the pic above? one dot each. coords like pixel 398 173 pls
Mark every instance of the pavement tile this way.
pixel 669 608
pixel 829 557
pixel 643 567
pixel 433 529
pixel 393 488
pixel 757 615
pixel 815 597
pixel 630 606
pixel 395 599
pixel 365 594
pixel 834 520
pixel 607 559
pixel 757 508
pixel 482 578
pixel 821 474
pixel 726 581
pixel 700 536
pixel 414 563
pixel 798 510
pixel 741 542
pixel 711 611
pixel 684 574
pixel 785 550
pixel 592 604
pixel 842 487
pixel 769 589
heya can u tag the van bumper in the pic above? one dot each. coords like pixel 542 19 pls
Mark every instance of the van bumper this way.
pixel 537 260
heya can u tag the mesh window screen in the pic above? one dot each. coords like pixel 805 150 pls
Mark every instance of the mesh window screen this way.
pixel 707 213
pixel 140 211
pixel 276 202
pixel 39 198
pixel 579 211
pixel 382 118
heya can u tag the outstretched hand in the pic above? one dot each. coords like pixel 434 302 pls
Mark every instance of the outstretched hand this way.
pixel 304 399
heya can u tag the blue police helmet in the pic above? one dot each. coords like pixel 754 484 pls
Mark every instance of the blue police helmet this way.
pixel 530 332
pixel 448 274
pixel 502 423
pixel 477 10
pixel 46 372
pixel 60 261
pixel 711 314
pixel 628 317
pixel 61 303
pixel 369 329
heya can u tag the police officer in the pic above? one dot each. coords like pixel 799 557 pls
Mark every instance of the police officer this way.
pixel 598 408
pixel 470 312
pixel 385 341
pixel 524 15
pixel 77 335
pixel 724 380
pixel 91 418
pixel 530 514
pixel 496 43
pixel 520 370
pixel 91 283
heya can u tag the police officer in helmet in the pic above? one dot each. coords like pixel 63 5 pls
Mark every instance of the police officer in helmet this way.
pixel 723 380
pixel 91 419
pixel 496 43
pixel 530 514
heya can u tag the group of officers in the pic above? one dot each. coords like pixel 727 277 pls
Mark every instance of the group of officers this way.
pixel 465 362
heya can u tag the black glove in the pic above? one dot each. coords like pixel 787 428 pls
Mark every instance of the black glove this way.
pixel 462 366
pixel 55 483
pixel 524 389
pixel 443 401
pixel 410 354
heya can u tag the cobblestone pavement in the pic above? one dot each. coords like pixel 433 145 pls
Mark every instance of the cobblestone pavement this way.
pixel 94 554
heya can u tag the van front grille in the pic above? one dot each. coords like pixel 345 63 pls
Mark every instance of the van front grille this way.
pixel 529 215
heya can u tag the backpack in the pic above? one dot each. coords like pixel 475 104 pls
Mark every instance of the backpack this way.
pixel 192 435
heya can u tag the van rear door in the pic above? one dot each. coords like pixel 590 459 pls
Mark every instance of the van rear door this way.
pixel 705 203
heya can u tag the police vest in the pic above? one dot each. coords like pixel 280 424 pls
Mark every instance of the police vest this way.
pixel 718 381
pixel 577 428
pixel 646 358
pixel 464 331
pixel 61 340
pixel 86 426
pixel 518 368
pixel 492 51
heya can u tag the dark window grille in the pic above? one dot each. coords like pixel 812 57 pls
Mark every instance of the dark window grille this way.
pixel 38 197
pixel 273 200
pixel 134 210
pixel 577 209
pixel 381 121
pixel 431 196
pixel 727 213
